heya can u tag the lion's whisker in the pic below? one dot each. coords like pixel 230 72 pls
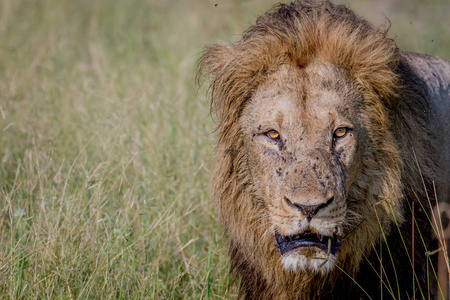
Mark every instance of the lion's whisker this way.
pixel 353 229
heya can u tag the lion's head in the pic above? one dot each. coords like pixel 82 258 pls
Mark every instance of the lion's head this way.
pixel 308 169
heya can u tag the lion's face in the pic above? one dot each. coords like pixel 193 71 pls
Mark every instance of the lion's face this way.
pixel 303 140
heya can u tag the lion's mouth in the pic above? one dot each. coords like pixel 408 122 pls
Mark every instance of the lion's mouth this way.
pixel 330 244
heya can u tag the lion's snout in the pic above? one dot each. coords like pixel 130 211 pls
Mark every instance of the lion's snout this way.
pixel 308 211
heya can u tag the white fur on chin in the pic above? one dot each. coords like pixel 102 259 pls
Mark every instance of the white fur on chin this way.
pixel 321 262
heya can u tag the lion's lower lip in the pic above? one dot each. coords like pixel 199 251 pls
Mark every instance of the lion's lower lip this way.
pixel 306 239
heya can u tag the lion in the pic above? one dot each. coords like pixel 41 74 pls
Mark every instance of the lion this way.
pixel 331 143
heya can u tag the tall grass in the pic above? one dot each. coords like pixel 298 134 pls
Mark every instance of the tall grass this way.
pixel 106 144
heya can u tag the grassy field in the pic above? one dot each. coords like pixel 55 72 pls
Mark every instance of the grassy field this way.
pixel 106 143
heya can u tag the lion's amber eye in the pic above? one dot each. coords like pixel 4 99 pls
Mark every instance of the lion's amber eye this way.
pixel 340 132
pixel 273 134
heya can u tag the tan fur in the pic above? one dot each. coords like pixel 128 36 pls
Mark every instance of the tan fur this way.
pixel 305 67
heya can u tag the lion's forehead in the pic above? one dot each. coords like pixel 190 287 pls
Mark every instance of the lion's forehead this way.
pixel 304 96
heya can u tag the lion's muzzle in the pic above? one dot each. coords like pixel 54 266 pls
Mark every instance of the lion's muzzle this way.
pixel 309 211
pixel 330 244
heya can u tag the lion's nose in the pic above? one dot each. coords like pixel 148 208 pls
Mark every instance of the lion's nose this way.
pixel 309 211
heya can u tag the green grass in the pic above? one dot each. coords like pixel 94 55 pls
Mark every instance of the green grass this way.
pixel 106 144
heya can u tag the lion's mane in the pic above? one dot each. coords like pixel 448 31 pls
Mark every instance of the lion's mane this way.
pixel 387 189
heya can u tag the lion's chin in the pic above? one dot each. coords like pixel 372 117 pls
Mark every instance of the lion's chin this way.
pixel 310 259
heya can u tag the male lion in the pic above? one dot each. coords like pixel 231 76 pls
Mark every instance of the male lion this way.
pixel 330 142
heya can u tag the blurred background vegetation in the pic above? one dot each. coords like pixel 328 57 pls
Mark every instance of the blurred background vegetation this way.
pixel 106 143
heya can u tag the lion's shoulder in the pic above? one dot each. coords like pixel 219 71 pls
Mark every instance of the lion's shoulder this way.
pixel 425 90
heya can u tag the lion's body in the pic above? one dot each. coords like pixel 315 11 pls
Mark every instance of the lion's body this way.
pixel 334 204
pixel 433 75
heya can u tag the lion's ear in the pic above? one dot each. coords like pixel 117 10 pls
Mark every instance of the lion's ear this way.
pixel 215 67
